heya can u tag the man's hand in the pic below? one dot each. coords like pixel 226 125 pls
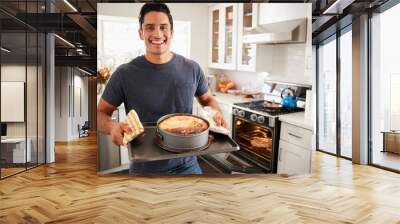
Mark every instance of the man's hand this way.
pixel 219 120
pixel 117 132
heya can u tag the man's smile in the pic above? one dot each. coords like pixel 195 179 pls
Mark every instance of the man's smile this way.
pixel 157 42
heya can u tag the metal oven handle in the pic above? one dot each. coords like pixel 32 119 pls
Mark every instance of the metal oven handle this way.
pixel 296 136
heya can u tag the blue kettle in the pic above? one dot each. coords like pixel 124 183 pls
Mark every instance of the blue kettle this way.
pixel 288 99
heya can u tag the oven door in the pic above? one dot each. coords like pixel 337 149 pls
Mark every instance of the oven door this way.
pixel 257 142
pixel 228 163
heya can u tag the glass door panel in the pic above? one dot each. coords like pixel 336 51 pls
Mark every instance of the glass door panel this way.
pixel 327 97
pixel 13 86
pixel 346 94
pixel 31 101
pixel 228 55
pixel 247 49
pixel 215 36
pixel 385 89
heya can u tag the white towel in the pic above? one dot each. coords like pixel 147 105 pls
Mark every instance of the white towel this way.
pixel 132 120
pixel 208 114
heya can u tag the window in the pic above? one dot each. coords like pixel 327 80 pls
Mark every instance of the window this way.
pixel 327 96
pixel 346 93
pixel 335 94
pixel 385 89
pixel 119 40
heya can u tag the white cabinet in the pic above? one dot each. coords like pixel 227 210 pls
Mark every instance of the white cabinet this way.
pixel 293 159
pixel 294 155
pixel 223 36
pixel 247 20
pixel 228 24
pixel 272 12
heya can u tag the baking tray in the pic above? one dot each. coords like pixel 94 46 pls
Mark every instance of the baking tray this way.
pixel 145 149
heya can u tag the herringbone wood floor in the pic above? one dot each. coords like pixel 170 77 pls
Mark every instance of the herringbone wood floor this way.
pixel 70 191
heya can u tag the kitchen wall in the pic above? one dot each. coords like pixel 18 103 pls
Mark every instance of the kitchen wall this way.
pixel 71 97
pixel 195 13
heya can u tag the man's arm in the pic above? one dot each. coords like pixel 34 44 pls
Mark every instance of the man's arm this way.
pixel 208 100
pixel 107 126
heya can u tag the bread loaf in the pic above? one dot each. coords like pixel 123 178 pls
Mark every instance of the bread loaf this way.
pixel 132 120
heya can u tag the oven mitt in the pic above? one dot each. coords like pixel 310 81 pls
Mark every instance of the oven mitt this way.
pixel 208 114
pixel 132 119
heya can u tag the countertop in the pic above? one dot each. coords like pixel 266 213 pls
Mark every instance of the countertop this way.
pixel 297 119
pixel 229 98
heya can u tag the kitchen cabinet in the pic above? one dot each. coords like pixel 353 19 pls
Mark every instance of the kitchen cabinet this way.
pixel 223 36
pixel 228 24
pixel 272 13
pixel 247 20
pixel 294 155
pixel 293 159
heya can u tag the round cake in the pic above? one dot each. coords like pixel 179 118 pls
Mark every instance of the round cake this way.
pixel 183 125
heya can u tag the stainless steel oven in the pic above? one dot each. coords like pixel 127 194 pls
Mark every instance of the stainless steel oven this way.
pixel 256 128
pixel 258 136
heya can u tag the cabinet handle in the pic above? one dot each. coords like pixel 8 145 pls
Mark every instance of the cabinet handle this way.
pixel 279 154
pixel 296 136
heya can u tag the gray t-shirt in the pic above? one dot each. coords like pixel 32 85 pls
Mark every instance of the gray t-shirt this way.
pixel 154 90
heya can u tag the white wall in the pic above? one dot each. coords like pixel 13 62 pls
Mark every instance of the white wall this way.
pixel 61 103
pixel 17 73
pixel 34 124
pixel 196 13
pixel 68 79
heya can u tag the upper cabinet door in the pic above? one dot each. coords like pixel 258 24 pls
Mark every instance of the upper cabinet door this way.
pixel 214 36
pixel 223 36
pixel 247 20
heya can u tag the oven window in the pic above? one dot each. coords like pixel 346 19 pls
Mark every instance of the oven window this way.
pixel 253 138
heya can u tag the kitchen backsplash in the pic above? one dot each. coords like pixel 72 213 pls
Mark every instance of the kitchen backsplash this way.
pixel 291 64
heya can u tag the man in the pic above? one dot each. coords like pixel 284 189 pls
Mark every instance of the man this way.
pixel 158 83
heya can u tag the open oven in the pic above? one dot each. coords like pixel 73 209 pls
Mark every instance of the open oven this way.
pixel 258 140
pixel 258 137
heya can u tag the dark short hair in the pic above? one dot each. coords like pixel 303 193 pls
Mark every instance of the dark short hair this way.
pixel 158 7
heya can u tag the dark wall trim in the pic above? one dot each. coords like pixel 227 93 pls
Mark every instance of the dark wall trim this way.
pixel 369 55
pixel 387 5
pixel 338 100
pixel 332 30
pixel 317 96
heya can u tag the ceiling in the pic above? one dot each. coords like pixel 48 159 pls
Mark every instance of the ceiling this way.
pixel 76 20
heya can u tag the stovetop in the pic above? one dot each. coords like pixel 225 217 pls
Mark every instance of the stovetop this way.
pixel 262 106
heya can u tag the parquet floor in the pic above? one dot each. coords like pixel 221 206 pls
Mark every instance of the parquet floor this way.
pixel 70 191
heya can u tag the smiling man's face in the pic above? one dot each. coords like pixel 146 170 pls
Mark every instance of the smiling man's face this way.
pixel 156 32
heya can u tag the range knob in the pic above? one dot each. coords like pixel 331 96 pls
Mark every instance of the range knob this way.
pixel 241 113
pixel 253 117
pixel 260 119
pixel 235 111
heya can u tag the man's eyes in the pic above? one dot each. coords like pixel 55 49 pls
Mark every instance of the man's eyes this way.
pixel 151 28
